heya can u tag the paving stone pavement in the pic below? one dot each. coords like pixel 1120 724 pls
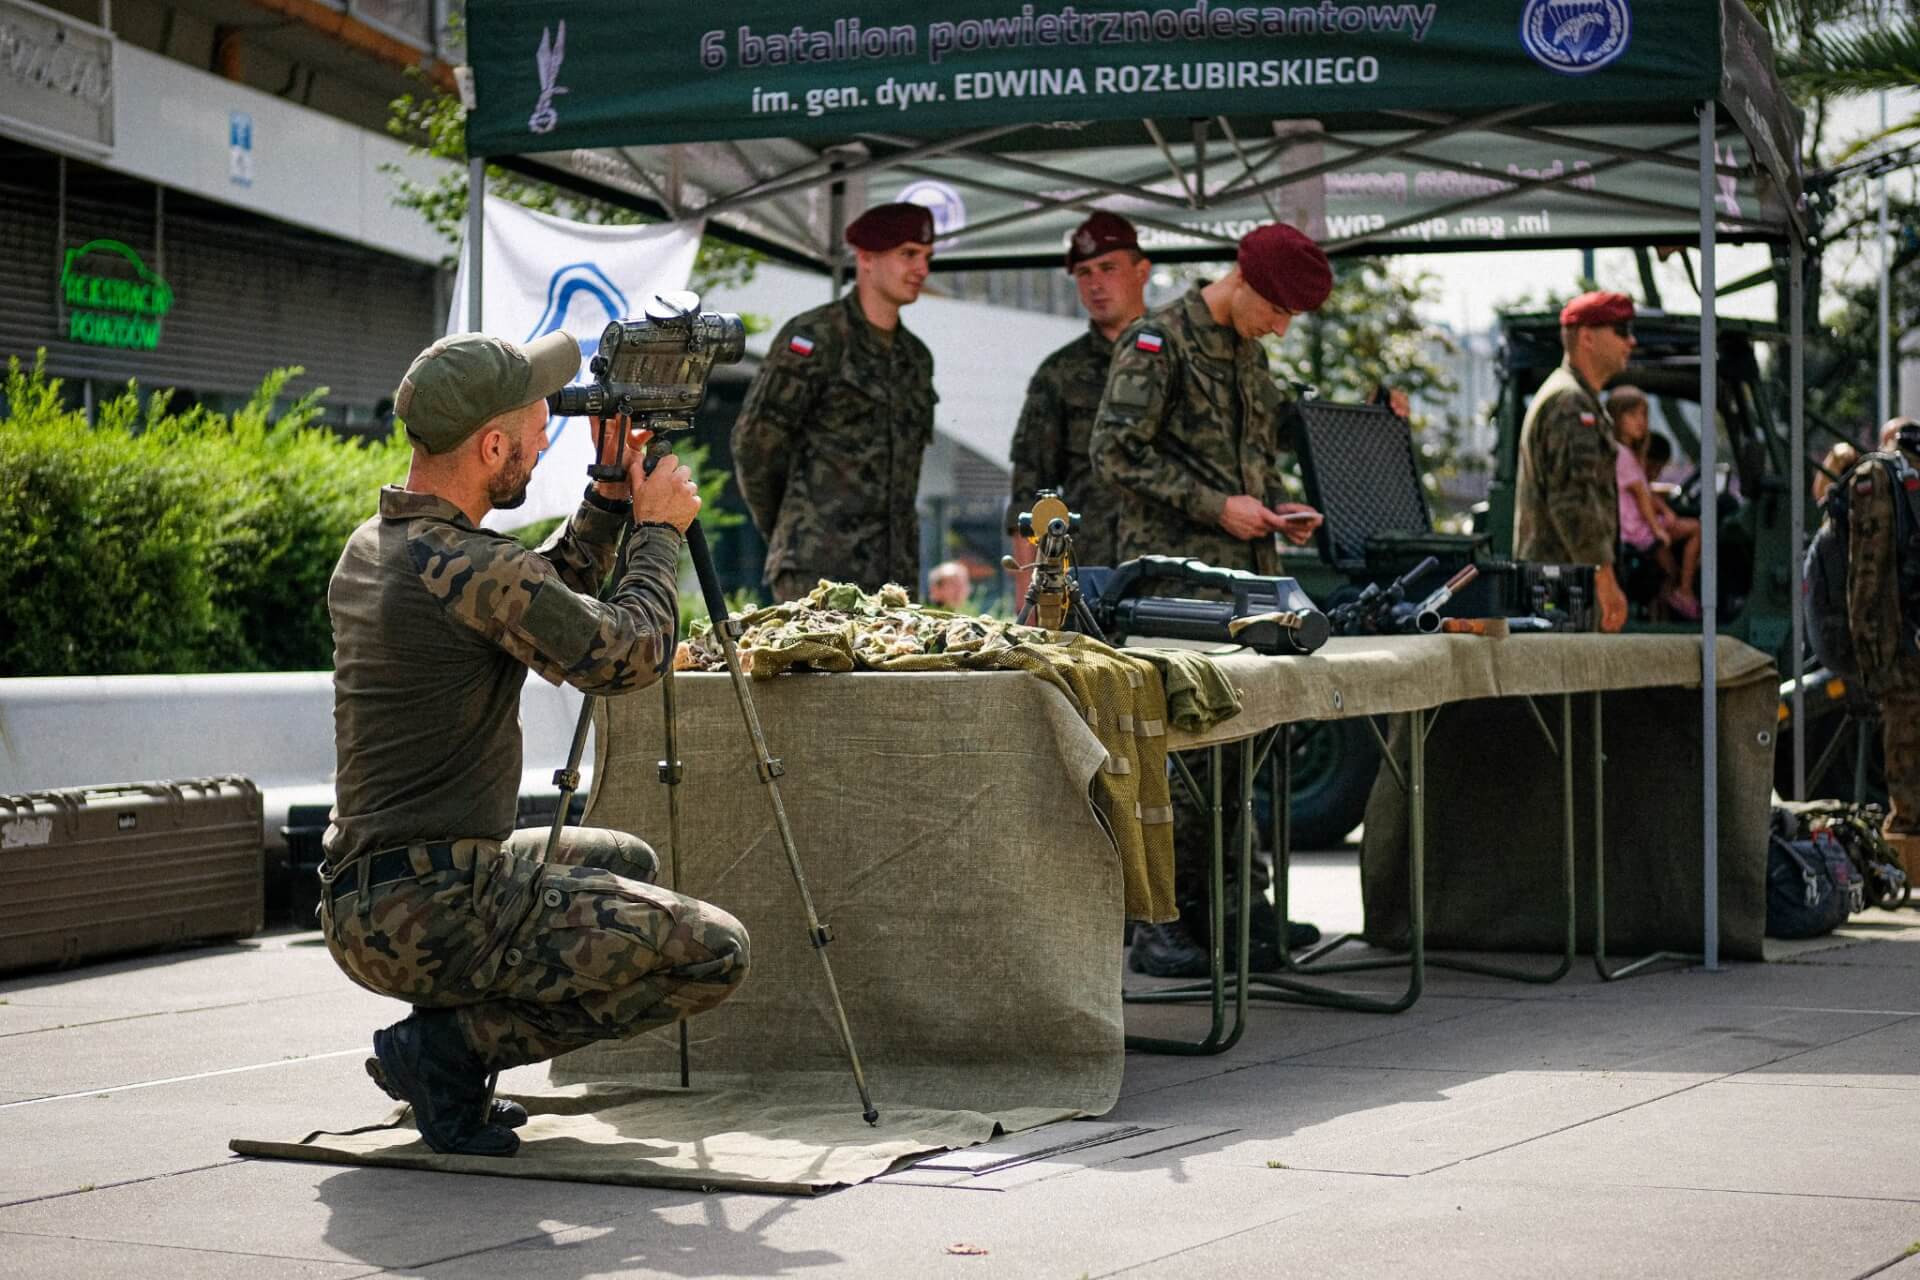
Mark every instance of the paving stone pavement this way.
pixel 1758 1121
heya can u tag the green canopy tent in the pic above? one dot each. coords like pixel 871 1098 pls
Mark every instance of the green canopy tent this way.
pixel 1376 127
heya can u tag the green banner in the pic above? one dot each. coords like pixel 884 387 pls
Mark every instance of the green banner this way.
pixel 556 74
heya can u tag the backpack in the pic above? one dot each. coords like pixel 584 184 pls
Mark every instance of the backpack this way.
pixel 1812 886
pixel 1824 582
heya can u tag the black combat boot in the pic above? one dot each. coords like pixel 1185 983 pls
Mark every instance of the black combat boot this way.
pixel 428 1065
pixel 1167 951
pixel 1263 951
pixel 500 1111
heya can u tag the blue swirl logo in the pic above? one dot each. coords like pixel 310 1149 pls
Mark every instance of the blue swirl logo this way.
pixel 581 299
pixel 1574 37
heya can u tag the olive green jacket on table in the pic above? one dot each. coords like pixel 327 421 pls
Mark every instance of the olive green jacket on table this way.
pixel 828 445
pixel 1052 445
pixel 1190 417
pixel 1566 506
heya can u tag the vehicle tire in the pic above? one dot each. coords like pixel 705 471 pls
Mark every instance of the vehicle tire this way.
pixel 1334 762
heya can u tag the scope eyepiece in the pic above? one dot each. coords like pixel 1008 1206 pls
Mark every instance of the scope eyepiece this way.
pixel 580 400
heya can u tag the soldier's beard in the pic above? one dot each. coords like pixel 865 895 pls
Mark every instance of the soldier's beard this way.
pixel 507 489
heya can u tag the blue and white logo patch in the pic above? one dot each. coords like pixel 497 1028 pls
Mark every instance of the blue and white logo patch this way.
pixel 1574 37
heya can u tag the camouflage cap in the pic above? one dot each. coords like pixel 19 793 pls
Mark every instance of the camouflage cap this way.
pixel 466 379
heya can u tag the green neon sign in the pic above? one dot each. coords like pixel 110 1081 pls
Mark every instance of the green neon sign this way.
pixel 120 306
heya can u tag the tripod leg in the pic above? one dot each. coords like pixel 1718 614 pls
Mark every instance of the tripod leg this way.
pixel 670 774
pixel 769 770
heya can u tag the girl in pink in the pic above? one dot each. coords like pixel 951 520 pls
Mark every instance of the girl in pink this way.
pixel 1647 523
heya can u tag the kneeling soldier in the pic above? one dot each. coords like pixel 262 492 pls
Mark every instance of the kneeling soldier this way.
pixel 508 956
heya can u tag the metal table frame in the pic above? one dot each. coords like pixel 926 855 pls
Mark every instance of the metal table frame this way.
pixel 1291 983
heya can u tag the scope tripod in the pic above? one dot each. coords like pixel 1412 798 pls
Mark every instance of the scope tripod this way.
pixel 766 765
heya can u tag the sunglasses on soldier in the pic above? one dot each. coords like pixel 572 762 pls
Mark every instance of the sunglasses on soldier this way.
pixel 1622 328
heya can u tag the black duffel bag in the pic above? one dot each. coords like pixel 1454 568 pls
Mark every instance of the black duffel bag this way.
pixel 1811 883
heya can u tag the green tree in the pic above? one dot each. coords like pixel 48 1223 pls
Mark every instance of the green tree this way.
pixel 1827 51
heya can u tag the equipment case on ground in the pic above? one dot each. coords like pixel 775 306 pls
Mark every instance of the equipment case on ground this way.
pixel 96 871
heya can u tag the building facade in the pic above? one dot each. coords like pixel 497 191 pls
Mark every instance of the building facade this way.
pixel 193 195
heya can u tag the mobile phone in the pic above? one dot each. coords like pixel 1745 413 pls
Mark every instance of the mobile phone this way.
pixel 1298 517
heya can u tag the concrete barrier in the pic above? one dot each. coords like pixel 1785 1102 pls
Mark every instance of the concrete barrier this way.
pixel 276 728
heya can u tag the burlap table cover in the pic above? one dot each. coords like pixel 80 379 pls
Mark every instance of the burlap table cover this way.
pixel 945 829
pixel 1494 819
pixel 944 825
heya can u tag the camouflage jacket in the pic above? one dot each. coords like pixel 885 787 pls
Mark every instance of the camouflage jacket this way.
pixel 1566 507
pixel 827 447
pixel 1874 614
pixel 435 623
pixel 1190 417
pixel 1050 444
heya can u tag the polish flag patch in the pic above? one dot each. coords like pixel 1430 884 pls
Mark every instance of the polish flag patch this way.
pixel 1588 420
pixel 1149 343
pixel 800 345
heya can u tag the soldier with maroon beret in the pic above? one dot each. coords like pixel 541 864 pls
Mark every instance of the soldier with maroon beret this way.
pixel 1190 431
pixel 828 444
pixel 1051 444
pixel 1566 502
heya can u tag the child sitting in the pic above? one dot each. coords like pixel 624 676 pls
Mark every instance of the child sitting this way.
pixel 1647 523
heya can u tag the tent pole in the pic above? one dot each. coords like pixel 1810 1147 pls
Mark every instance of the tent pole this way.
pixel 1797 479
pixel 476 236
pixel 837 230
pixel 1709 553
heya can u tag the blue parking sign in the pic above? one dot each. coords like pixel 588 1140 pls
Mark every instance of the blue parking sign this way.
pixel 240 148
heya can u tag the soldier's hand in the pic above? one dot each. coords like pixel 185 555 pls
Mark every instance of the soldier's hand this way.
pixel 1613 601
pixel 636 443
pixel 1246 517
pixel 668 496
pixel 1295 521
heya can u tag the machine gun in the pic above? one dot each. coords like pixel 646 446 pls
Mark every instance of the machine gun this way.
pixel 1053 596
pixel 1371 612
pixel 1268 615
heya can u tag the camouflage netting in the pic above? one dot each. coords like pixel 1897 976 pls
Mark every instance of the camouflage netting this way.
pixel 839 627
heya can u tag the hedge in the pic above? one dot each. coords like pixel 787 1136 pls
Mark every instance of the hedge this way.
pixel 151 541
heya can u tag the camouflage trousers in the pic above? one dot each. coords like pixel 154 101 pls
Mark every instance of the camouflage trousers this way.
pixel 538 957
pixel 1900 723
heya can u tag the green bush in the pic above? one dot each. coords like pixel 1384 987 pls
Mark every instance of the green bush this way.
pixel 159 542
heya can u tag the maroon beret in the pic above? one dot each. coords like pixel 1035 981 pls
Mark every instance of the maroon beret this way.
pixel 1102 232
pixel 1596 309
pixel 1285 267
pixel 888 226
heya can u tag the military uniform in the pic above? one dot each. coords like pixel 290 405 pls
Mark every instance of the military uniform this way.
pixel 1190 418
pixel 1874 619
pixel 1566 503
pixel 1052 443
pixel 432 897
pixel 827 450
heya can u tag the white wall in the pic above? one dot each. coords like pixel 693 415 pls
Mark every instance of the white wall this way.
pixel 309 169
pixel 274 728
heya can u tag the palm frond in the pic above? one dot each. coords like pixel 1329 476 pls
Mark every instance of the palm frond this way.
pixel 1857 61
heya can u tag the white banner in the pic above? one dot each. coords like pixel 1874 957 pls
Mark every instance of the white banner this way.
pixel 539 274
